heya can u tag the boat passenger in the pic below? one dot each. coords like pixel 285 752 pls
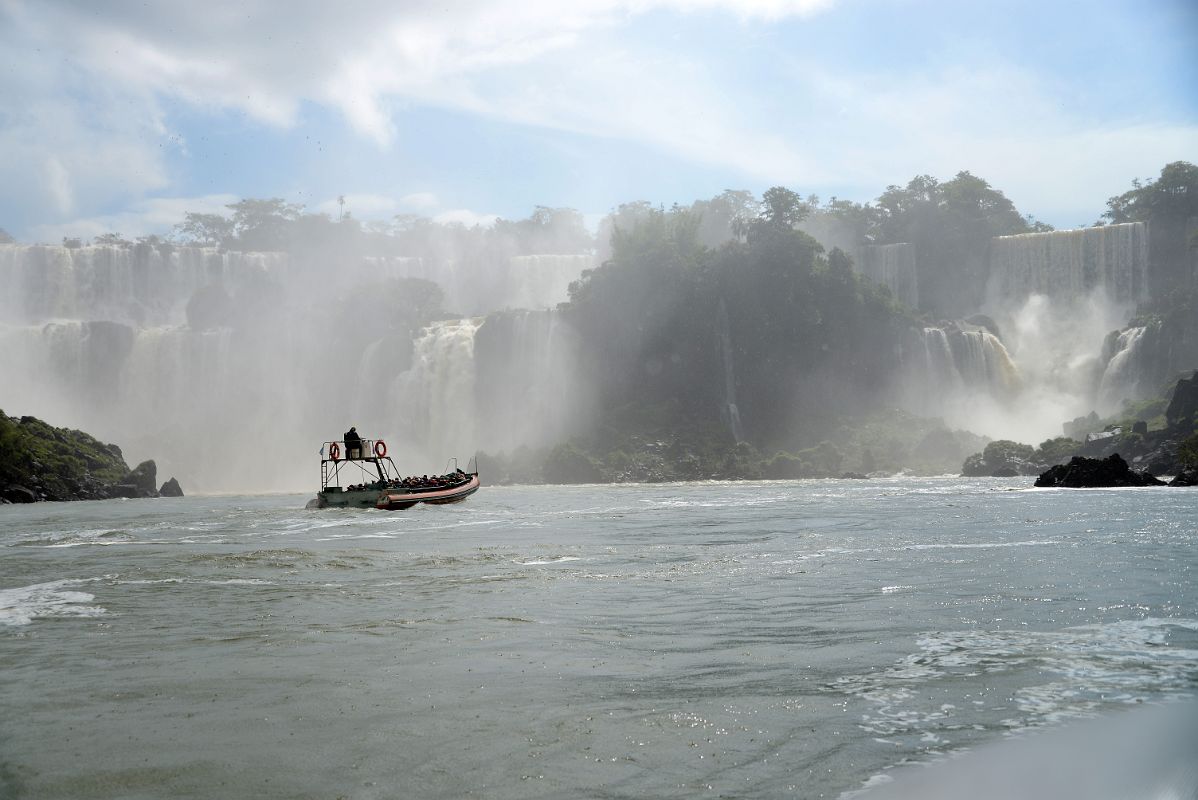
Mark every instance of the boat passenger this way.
pixel 353 443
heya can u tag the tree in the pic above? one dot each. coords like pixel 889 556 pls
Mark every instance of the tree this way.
pixel 1169 203
pixel 626 217
pixel 725 214
pixel 782 208
pixel 1172 196
pixel 950 224
pixel 547 230
pixel 204 230
pixel 1187 452
pixel 263 224
pixel 113 240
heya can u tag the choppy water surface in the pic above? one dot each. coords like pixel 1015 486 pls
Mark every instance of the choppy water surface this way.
pixel 726 640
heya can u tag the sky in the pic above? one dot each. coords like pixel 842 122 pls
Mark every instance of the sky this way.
pixel 120 117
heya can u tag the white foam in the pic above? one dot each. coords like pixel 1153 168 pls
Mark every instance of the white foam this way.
pixel 558 560
pixel 21 606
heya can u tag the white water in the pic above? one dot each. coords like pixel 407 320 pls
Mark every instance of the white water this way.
pixel 730 412
pixel 432 404
pixel 1119 381
pixel 479 287
pixel 98 338
pixel 893 266
pixel 753 640
pixel 1071 264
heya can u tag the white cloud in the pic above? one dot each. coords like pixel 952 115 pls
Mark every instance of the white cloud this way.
pixel 419 201
pixel 83 125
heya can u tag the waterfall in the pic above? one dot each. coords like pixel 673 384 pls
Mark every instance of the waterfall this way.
pixel 482 286
pixel 962 373
pixel 892 266
pixel 965 360
pixel 432 403
pixel 139 285
pixel 1069 265
pixel 729 413
pixel 1120 380
pixel 530 391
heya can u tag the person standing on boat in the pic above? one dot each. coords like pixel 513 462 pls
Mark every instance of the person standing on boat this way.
pixel 353 443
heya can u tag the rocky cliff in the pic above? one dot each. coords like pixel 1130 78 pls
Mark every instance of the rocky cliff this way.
pixel 41 462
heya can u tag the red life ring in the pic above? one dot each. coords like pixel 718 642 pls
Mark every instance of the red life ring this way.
pixel 380 448
pixel 334 451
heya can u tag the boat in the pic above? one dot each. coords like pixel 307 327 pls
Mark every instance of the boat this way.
pixel 379 483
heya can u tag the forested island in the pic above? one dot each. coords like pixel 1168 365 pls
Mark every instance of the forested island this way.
pixel 733 338
pixel 41 462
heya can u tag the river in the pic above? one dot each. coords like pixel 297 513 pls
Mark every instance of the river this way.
pixel 753 640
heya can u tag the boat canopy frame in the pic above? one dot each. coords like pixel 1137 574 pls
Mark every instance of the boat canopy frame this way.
pixel 330 468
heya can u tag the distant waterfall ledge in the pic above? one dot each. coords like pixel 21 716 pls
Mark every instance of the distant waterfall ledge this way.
pixel 1068 265
pixel 892 266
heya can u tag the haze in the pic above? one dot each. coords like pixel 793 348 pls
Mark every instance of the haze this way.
pixel 550 235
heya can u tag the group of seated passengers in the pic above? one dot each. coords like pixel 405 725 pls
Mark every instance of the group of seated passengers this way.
pixel 425 482
pixel 415 482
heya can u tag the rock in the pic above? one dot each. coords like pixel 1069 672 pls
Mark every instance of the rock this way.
pixel 1187 477
pixel 1183 407
pixel 856 476
pixel 1002 459
pixel 171 489
pixel 127 490
pixel 144 476
pixel 1080 426
pixel 1082 472
pixel 18 494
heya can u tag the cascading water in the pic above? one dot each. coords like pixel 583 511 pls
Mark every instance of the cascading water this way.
pixel 1071 264
pixel 1120 380
pixel 729 413
pixel 892 266
pixel 965 360
pixel 229 369
pixel 138 285
pixel 432 404
pixel 1057 295
pixel 98 338
pixel 483 286
pixel 964 374
pixel 530 391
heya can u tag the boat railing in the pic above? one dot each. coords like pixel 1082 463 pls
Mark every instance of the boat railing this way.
pixel 366 450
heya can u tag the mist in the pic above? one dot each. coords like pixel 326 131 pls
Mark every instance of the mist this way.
pixel 232 350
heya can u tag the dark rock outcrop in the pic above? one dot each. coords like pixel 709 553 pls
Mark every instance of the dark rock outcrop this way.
pixel 1183 406
pixel 18 494
pixel 1082 472
pixel 145 477
pixel 1187 477
pixel 41 462
pixel 171 489
pixel 1002 459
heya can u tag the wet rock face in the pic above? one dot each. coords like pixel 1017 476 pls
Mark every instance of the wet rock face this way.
pixel 144 476
pixel 171 489
pixel 1187 477
pixel 1082 472
pixel 1183 407
pixel 17 494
